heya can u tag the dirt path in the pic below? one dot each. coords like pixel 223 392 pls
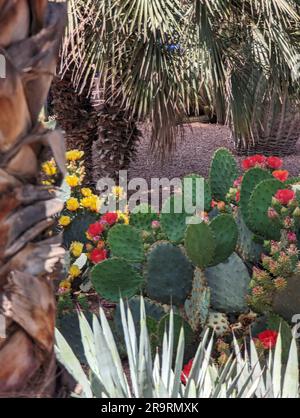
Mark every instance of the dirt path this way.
pixel 193 154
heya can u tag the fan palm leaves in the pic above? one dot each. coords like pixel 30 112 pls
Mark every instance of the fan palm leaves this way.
pixel 157 56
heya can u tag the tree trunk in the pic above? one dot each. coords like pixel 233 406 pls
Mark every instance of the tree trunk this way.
pixel 30 34
pixel 77 117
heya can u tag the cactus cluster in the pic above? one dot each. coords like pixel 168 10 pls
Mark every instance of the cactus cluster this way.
pixel 126 242
pixel 247 246
pixel 223 172
pixel 197 305
pixel 115 278
pixel 168 274
pixel 172 222
pixel 142 217
pixel 228 282
pixel 211 244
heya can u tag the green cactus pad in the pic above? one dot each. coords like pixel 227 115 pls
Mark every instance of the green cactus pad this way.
pixel 223 172
pixel 226 235
pixel 207 192
pixel 229 283
pixel 154 312
pixel 260 202
pixel 179 323
pixel 115 278
pixel 125 241
pixel 173 224
pixel 247 248
pixel 200 244
pixel 197 305
pixel 251 179
pixel 76 231
pixel 169 274
pixel 142 217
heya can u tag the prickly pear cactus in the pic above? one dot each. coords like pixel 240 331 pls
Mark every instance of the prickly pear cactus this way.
pixel 229 284
pixel 168 273
pixel 223 172
pixel 247 248
pixel 115 278
pixel 197 305
pixel 172 223
pixel 200 244
pixel 142 217
pixel 218 322
pixel 260 202
pixel 250 180
pixel 78 227
pixel 226 235
pixel 126 242
pixel 207 198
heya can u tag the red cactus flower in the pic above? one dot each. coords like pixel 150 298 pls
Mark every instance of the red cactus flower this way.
pixel 95 229
pixel 281 175
pixel 255 160
pixel 186 371
pixel 268 338
pixel 109 218
pixel 238 196
pixel 98 255
pixel 285 196
pixel 274 162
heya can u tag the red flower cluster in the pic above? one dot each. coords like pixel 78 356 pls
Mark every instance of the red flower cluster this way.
pixel 186 371
pixel 281 175
pixel 95 230
pixel 274 163
pixel 98 255
pixel 109 218
pixel 268 339
pixel 285 196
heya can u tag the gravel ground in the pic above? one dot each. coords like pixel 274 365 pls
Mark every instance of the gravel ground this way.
pixel 193 154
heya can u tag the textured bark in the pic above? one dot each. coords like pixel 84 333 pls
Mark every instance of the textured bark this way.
pixel 77 117
pixel 30 34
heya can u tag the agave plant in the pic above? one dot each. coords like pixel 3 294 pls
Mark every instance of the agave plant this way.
pixel 243 376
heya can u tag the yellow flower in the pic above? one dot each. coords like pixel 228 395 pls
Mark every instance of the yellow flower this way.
pixel 49 168
pixel 65 284
pixel 76 248
pixel 64 220
pixel 118 191
pixel 74 155
pixel 123 217
pixel 86 202
pixel 74 271
pixel 95 203
pixel 86 192
pixel 72 181
pixel 72 204
pixel 92 202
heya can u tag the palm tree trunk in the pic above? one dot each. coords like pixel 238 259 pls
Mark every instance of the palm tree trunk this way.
pixel 30 34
